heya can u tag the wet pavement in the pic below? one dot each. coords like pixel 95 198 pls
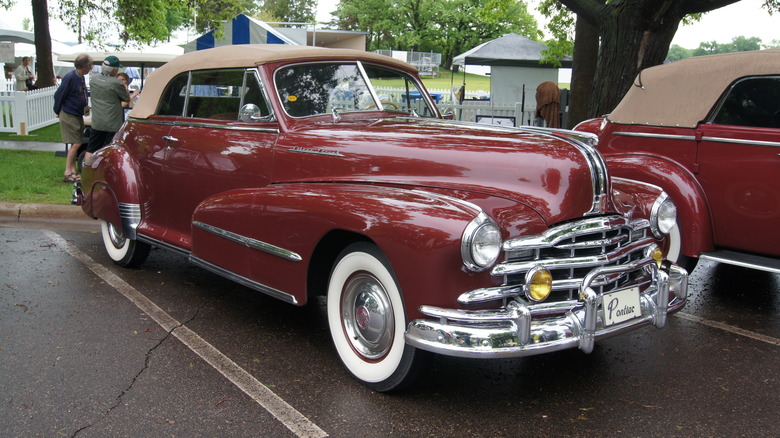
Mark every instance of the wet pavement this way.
pixel 91 349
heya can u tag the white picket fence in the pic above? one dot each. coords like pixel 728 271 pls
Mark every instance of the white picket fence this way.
pixel 24 111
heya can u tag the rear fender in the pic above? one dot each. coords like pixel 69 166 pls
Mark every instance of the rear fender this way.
pixel 419 232
pixel 111 190
pixel 693 212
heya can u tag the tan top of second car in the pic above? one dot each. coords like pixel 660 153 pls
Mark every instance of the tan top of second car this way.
pixel 682 93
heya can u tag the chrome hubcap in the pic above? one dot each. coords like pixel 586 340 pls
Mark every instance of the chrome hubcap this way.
pixel 367 316
pixel 117 239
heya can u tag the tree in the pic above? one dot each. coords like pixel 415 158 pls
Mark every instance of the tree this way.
pixel 459 25
pixel 634 34
pixel 586 40
pixel 131 21
pixel 677 53
pixel 45 64
pixel 446 26
pixel 293 11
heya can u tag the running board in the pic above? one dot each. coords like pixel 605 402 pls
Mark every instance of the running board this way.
pixel 745 260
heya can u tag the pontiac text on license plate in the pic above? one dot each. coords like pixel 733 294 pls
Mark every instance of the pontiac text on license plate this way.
pixel 621 306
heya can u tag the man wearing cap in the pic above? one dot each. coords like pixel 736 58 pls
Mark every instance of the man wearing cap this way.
pixel 107 94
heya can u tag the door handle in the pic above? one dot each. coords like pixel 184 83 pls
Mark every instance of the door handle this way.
pixel 170 138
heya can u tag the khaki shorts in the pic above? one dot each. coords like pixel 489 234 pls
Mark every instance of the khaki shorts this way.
pixel 71 128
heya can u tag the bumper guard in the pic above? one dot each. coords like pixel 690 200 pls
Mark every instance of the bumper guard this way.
pixel 522 330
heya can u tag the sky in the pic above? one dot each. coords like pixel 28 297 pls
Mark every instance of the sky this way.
pixel 744 18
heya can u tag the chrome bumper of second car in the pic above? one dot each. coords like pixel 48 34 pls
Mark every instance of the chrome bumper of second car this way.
pixel 521 330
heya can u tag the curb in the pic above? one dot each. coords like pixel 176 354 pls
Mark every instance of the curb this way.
pixel 54 213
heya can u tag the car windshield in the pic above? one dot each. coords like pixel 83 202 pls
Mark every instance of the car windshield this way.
pixel 319 88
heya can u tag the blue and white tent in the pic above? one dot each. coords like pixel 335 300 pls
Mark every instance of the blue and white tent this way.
pixel 240 30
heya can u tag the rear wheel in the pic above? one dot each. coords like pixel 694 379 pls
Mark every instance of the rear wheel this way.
pixel 367 321
pixel 125 252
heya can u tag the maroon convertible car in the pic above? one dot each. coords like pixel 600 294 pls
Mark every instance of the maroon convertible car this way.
pixel 300 171
pixel 707 131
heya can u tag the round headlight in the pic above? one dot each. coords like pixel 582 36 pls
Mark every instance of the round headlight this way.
pixel 481 243
pixel 663 216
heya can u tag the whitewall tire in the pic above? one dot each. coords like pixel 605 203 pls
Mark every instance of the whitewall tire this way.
pixel 367 320
pixel 123 251
pixel 674 250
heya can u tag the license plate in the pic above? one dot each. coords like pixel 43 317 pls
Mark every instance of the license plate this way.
pixel 621 305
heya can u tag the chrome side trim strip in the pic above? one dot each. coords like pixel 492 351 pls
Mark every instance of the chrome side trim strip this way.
pixel 229 127
pixel 150 122
pixel 130 215
pixel 208 125
pixel 772 144
pixel 249 242
pixel 663 136
pixel 163 245
pixel 288 298
pixel 750 261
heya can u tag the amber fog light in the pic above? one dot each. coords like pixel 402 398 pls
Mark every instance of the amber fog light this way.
pixel 658 255
pixel 538 284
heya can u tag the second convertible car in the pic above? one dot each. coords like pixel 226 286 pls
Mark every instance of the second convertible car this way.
pixel 707 131
pixel 300 171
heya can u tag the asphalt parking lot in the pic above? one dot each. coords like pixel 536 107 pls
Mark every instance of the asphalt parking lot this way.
pixel 90 349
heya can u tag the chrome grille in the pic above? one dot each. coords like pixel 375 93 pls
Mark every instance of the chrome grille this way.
pixel 571 250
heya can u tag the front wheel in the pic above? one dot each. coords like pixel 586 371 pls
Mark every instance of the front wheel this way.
pixel 367 321
pixel 125 252
pixel 674 250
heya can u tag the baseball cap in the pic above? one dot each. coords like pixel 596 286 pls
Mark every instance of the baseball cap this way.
pixel 112 61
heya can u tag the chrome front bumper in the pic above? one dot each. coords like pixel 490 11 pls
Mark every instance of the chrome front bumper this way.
pixel 523 330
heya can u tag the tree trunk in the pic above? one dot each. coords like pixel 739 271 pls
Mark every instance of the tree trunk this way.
pixel 586 51
pixel 633 37
pixel 44 63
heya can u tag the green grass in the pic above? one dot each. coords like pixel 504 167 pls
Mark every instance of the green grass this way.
pixel 50 133
pixel 33 177
pixel 446 81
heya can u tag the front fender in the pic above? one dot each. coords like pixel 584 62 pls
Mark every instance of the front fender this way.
pixel 419 232
pixel 680 184
pixel 111 190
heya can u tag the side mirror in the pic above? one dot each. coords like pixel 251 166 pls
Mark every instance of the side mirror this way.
pixel 449 114
pixel 250 113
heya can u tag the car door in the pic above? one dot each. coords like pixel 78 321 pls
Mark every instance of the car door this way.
pixel 210 150
pixel 739 162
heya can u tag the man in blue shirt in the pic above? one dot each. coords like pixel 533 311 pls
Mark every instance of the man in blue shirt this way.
pixel 70 100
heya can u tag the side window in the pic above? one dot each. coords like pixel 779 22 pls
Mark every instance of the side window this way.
pixel 751 102
pixel 397 91
pixel 172 102
pixel 215 94
pixel 254 93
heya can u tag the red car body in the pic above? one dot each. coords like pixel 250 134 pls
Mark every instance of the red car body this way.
pixel 707 131
pixel 426 235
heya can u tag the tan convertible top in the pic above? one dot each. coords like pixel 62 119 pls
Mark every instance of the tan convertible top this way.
pixel 245 55
pixel 683 92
